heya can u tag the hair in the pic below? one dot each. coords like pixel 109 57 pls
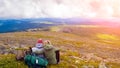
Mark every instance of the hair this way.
pixel 47 42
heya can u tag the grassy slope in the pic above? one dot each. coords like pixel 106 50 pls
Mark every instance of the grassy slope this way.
pixel 71 45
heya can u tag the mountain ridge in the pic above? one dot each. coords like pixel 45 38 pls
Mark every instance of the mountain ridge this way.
pixel 12 25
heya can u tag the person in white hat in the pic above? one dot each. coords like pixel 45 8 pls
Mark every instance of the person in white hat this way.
pixel 38 49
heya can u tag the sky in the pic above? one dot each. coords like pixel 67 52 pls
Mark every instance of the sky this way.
pixel 59 8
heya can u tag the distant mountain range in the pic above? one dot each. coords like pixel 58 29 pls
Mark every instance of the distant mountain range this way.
pixel 11 25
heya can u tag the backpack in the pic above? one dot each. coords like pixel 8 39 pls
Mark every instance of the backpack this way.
pixel 31 60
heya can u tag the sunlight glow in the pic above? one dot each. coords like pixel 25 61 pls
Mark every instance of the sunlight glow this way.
pixel 107 37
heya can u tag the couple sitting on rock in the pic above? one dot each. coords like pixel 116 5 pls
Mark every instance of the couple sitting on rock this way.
pixel 43 53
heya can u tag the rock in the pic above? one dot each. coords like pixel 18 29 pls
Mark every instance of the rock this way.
pixel 91 66
pixel 91 56
pixel 73 66
pixel 77 61
pixel 102 65
pixel 85 66
pixel 11 51
pixel 20 55
pixel 2 47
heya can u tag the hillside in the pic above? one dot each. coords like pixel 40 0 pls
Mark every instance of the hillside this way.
pixel 80 47
pixel 13 25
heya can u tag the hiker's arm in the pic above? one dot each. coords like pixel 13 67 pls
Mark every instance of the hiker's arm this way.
pixel 37 51
pixel 56 49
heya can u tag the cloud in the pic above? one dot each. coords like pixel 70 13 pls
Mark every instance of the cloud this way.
pixel 59 8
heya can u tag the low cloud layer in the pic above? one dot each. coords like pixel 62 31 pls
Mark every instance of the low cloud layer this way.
pixel 59 8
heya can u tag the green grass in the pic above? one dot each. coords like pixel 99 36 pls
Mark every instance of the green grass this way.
pixel 67 61
pixel 9 61
pixel 108 39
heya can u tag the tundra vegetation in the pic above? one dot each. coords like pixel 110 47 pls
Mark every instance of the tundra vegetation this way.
pixel 80 47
